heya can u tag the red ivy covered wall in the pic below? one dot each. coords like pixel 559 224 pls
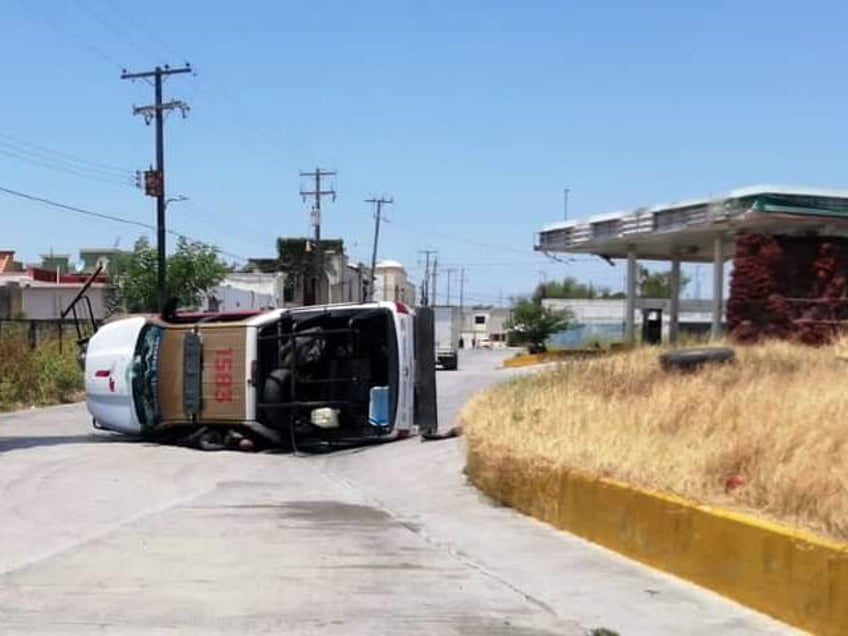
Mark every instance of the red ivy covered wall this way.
pixel 788 287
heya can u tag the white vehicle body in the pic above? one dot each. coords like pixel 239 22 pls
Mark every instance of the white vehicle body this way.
pixel 447 328
pixel 331 372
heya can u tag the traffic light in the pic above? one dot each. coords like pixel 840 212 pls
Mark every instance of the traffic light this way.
pixel 153 183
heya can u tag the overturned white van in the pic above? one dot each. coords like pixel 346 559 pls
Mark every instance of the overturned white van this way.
pixel 326 374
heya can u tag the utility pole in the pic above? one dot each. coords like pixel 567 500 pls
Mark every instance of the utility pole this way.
pixel 461 288
pixel 318 259
pixel 378 217
pixel 425 285
pixel 449 271
pixel 565 203
pixel 435 273
pixel 155 179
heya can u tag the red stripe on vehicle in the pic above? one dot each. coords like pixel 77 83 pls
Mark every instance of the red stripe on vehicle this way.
pixel 102 373
pixel 403 433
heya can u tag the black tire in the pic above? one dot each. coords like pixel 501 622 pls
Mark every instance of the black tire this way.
pixel 211 440
pixel 692 359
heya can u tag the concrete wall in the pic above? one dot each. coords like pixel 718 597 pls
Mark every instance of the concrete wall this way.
pixel 604 318
pixel 47 302
pixel 244 291
pixel 10 300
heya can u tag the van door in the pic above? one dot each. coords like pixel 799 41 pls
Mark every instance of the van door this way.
pixel 203 374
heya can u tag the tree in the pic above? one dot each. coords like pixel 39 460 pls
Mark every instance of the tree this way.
pixel 534 324
pixel 570 287
pixel 192 270
pixel 657 284
pixel 566 288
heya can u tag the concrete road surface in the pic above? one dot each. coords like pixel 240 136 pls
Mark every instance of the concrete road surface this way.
pixel 99 534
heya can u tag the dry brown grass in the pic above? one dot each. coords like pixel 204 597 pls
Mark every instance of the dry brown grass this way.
pixel 778 417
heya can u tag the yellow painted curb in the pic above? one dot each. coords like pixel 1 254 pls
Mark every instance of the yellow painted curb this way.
pixel 529 359
pixel 795 576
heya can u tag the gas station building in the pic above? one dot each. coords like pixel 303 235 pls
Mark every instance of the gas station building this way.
pixel 697 231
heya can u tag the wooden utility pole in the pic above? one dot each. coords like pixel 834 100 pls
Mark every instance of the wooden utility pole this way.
pixel 435 275
pixel 449 271
pixel 425 284
pixel 378 217
pixel 461 288
pixel 318 255
pixel 154 180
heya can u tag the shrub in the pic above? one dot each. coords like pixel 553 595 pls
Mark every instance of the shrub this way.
pixel 40 376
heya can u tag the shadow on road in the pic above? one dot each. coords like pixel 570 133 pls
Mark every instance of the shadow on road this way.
pixel 23 442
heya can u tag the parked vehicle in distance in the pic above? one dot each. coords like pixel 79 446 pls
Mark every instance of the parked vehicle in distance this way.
pixel 484 342
pixel 448 326
pixel 318 374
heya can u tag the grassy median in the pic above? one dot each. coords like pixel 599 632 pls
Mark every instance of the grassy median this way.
pixel 38 376
pixel 768 434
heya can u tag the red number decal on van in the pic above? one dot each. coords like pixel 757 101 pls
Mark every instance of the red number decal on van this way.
pixel 223 377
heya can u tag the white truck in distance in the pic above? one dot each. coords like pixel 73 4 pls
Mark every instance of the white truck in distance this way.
pixel 448 325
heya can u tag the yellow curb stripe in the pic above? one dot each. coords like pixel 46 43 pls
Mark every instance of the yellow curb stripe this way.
pixel 795 576
pixel 528 359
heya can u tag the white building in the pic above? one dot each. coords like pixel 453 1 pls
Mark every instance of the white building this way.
pixel 484 327
pixel 38 293
pixel 392 283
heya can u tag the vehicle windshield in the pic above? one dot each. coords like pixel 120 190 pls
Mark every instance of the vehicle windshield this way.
pixel 145 375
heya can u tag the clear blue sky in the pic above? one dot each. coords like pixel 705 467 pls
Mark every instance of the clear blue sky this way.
pixel 474 115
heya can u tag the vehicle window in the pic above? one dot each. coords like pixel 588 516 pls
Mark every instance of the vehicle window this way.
pixel 145 375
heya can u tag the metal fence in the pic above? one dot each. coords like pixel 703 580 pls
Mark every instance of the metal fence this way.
pixel 36 331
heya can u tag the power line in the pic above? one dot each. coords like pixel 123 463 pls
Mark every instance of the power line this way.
pixel 123 34
pixel 466 241
pixel 73 160
pixel 269 138
pixel 103 216
pixel 57 168
pixel 71 208
pixel 159 43
pixel 61 28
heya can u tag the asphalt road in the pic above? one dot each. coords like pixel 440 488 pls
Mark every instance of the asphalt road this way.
pixel 103 535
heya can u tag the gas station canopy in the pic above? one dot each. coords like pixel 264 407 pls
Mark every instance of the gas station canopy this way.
pixel 686 230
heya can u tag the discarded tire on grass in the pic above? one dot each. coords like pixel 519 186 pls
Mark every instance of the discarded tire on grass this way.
pixel 694 359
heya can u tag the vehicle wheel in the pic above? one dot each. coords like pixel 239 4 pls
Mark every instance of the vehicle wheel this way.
pixel 211 440
pixel 693 359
